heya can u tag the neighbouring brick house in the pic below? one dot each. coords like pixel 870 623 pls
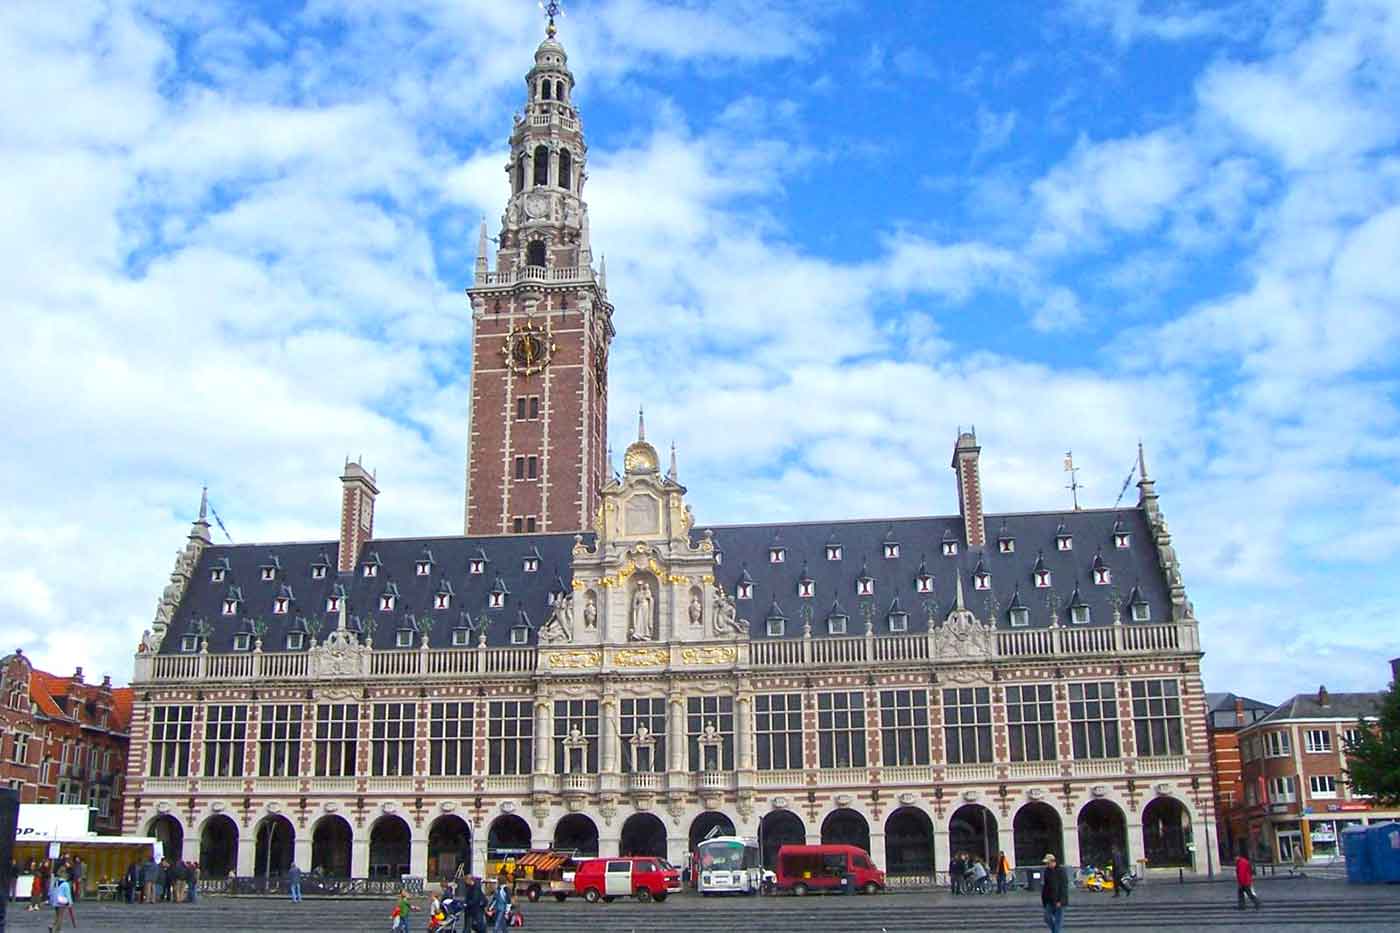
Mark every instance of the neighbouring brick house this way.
pixel 1227 715
pixel 63 740
pixel 1296 797
pixel 589 667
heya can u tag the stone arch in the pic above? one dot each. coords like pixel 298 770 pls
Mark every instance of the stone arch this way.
pixel 710 821
pixel 973 830
pixel 171 832
pixel 643 834
pixel 331 840
pixel 1103 832
pixel 779 828
pixel 1037 831
pixel 559 89
pixel 274 846
pixel 541 160
pixel 566 168
pixel 390 844
pixel 449 847
pixel 508 835
pixel 218 847
pixel 844 826
pixel 546 89
pixel 1166 833
pixel 909 848
pixel 577 832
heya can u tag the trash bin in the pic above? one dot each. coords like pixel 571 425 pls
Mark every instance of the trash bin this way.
pixel 1384 850
pixel 1356 849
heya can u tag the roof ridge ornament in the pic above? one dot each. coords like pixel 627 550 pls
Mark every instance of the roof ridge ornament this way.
pixel 551 8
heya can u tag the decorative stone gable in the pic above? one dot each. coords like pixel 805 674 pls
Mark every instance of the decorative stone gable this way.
pixel 185 563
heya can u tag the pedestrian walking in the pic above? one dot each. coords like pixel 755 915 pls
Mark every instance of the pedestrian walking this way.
pixel 192 875
pixel 61 899
pixel 1244 878
pixel 294 882
pixel 474 903
pixel 1118 871
pixel 955 875
pixel 501 902
pixel 1054 893
pixel 131 883
pixel 36 889
pixel 76 874
pixel 150 874
pixel 177 881
pixel 402 911
pixel 1003 871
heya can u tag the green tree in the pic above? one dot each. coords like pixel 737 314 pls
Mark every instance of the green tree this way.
pixel 1373 760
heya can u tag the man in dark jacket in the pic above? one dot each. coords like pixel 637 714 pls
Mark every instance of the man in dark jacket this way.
pixel 1054 894
pixel 474 903
pixel 955 874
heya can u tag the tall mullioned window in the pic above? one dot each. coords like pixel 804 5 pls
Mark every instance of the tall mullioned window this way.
pixel 279 740
pixel 967 725
pixel 709 726
pixel 225 727
pixel 1030 722
pixel 576 736
pixel 392 730
pixel 1157 717
pixel 778 730
pixel 510 737
pixel 640 713
pixel 451 727
pixel 841 729
pixel 1093 720
pixel 171 728
pixel 337 734
pixel 904 727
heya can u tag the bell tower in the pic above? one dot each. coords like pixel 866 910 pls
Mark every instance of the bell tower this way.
pixel 542 324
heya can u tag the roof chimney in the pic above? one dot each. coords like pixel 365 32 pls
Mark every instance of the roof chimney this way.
pixel 78 675
pixel 1322 696
pixel 1239 712
pixel 965 456
pixel 357 492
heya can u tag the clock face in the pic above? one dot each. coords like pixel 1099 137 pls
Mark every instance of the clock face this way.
pixel 536 205
pixel 528 349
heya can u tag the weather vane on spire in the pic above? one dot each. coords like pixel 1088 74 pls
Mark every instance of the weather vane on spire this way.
pixel 551 8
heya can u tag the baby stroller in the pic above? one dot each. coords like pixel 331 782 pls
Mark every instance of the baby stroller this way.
pixel 448 918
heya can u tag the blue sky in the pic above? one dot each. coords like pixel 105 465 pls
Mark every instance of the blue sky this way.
pixel 237 236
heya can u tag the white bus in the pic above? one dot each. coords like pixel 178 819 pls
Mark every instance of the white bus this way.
pixel 726 865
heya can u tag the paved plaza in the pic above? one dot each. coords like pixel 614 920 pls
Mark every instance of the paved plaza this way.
pixel 1294 904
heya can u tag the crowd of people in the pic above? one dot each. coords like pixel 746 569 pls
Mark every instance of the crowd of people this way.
pixel 968 874
pixel 152 882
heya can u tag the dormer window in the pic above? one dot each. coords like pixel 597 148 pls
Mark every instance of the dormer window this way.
pixel 332 603
pixel 836 624
pixel 777 555
pixel 242 641
pixel 744 591
pixel 532 564
pixel 981 580
pixel 520 635
pixel 865 586
pixel 279 605
pixel 1064 541
pixel 269 574
pixel 833 552
pixel 230 607
pixel 461 637
pixel 1079 615
pixel 477 565
pixel 1142 612
pixel 496 600
pixel 403 638
pixel 1006 545
pixel 923 583
pixel 189 643
pixel 442 601
pixel 1102 576
pixel 805 588
pixel 386 602
pixel 898 621
pixel 371 570
pixel 1122 540
pixel 217 575
pixel 891 550
pixel 318 571
pixel 950 548
pixel 1020 617
pixel 776 626
pixel 1042 579
pixel 295 641
pixel 423 568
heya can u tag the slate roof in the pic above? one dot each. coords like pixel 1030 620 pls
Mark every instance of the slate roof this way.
pixel 745 556
pixel 1220 710
pixel 1350 706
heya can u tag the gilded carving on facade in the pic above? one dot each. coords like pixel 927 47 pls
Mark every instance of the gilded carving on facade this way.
pixel 574 660
pixel 710 654
pixel 641 657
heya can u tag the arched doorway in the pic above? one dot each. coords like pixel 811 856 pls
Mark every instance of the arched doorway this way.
pixel 643 834
pixel 509 835
pixel 973 830
pixel 777 829
pixel 171 835
pixel 218 847
pixel 1037 832
pixel 330 847
pixel 1166 834
pixel 909 843
pixel 1103 833
pixel 846 827
pixel 577 832
pixel 390 840
pixel 709 824
pixel 272 853
pixel 449 846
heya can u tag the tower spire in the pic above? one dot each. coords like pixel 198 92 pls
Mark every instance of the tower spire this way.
pixel 672 472
pixel 204 503
pixel 641 424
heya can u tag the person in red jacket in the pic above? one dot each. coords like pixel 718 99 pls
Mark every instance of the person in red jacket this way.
pixel 1244 877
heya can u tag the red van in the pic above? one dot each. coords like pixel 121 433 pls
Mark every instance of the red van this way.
pixel 821 868
pixel 642 877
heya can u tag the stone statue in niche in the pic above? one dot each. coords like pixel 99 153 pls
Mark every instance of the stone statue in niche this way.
pixel 697 610
pixel 726 617
pixel 560 626
pixel 643 625
pixel 590 612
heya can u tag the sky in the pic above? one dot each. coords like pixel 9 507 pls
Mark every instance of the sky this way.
pixel 237 235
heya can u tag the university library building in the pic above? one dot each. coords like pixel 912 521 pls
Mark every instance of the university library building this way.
pixel 588 668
